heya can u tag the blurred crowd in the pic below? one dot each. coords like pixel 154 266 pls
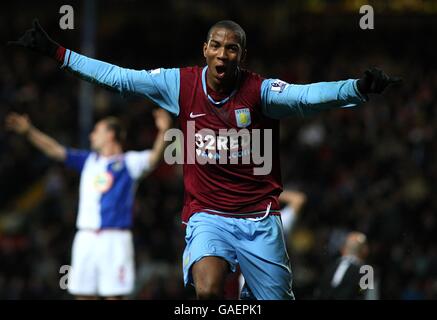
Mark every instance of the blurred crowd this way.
pixel 372 169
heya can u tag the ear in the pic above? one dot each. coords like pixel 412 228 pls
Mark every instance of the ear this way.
pixel 112 135
pixel 205 46
pixel 243 55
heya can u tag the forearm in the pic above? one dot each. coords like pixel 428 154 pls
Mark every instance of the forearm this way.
pixel 293 199
pixel 311 98
pixel 160 86
pixel 99 72
pixel 158 149
pixel 326 95
pixel 46 144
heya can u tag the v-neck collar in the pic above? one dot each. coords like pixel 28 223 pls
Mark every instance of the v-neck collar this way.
pixel 214 102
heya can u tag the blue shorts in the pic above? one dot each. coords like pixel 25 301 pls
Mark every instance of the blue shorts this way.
pixel 258 246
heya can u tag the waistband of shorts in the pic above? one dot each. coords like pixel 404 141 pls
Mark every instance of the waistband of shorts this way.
pixel 246 215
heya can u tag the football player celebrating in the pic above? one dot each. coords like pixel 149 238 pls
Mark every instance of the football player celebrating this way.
pixel 232 215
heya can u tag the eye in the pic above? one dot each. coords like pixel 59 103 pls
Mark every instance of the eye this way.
pixel 214 45
pixel 233 49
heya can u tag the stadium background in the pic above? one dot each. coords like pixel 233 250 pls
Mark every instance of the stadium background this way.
pixel 372 170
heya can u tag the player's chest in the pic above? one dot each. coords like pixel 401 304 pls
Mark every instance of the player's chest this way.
pixel 238 113
pixel 101 175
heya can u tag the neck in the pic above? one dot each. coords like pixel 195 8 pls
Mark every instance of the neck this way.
pixel 111 150
pixel 353 257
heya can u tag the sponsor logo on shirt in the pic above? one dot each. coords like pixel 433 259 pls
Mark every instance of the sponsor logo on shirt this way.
pixel 103 182
pixel 227 146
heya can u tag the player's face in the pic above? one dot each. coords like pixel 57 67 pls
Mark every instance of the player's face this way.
pixel 223 53
pixel 100 136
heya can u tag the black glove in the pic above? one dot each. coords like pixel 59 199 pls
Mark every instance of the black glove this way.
pixel 37 40
pixel 375 80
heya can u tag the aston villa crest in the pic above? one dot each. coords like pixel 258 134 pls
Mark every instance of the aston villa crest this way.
pixel 242 117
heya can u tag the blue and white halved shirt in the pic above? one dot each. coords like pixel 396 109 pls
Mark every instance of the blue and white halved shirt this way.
pixel 107 187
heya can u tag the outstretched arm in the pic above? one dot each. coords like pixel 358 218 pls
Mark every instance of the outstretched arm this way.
pixel 22 125
pixel 159 85
pixel 280 99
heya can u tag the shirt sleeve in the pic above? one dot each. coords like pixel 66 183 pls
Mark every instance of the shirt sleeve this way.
pixel 75 159
pixel 160 85
pixel 280 99
pixel 138 163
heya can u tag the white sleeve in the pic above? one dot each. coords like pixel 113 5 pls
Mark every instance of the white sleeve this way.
pixel 138 162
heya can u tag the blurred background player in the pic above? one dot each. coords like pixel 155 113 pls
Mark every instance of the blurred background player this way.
pixel 103 253
pixel 222 197
pixel 294 201
pixel 341 280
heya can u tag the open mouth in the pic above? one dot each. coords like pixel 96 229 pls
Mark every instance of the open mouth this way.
pixel 221 70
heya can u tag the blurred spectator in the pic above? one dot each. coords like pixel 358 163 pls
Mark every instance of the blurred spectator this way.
pixel 342 279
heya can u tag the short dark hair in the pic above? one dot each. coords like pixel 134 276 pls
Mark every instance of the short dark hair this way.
pixel 229 25
pixel 115 125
